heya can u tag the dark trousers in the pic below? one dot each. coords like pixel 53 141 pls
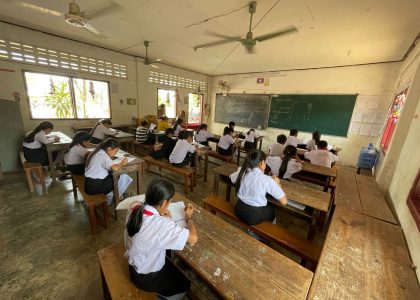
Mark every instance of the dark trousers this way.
pixel 206 143
pixel 77 169
pixel 95 186
pixel 228 152
pixel 252 215
pixel 189 159
pixel 167 282
pixel 250 145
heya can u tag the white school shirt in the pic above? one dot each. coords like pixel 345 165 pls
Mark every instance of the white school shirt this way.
pixel 311 145
pixel 255 184
pixel 202 136
pixel 250 137
pixel 321 157
pixel 274 162
pixel 178 129
pixel 76 155
pixel 146 249
pixel 225 141
pixel 101 132
pixel 39 139
pixel 292 140
pixel 276 149
pixel 99 166
pixel 181 149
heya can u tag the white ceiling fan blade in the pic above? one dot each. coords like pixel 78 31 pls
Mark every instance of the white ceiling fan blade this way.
pixel 154 66
pixel 95 31
pixel 268 36
pixel 222 36
pixel 40 9
pixel 112 7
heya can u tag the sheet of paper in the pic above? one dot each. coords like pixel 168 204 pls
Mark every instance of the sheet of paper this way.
pixel 177 212
pixel 365 130
pixel 295 204
pixel 354 128
pixel 357 116
pixel 126 203
pixel 361 102
pixel 119 159
pixel 372 102
pixel 369 116
pixel 375 130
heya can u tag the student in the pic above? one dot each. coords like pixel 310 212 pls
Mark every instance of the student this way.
pixel 292 138
pixel 163 124
pixel 182 115
pixel 99 167
pixel 202 135
pixel 252 185
pixel 161 111
pixel 226 142
pixel 178 127
pixel 232 125
pixel 166 145
pixel 276 149
pixel 101 131
pixel 77 153
pixel 35 141
pixel 250 139
pixel 142 134
pixel 322 156
pixel 287 165
pixel 149 233
pixel 183 153
pixel 312 144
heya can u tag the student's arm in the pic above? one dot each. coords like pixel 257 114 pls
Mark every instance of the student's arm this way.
pixel 277 192
pixel 192 237
pixel 119 166
pixel 41 137
pixel 108 131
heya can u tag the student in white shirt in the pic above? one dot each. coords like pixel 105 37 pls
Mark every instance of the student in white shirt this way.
pixel 287 165
pixel 276 149
pixel 178 127
pixel 202 135
pixel 149 233
pixel 292 138
pixel 250 139
pixel 183 153
pixel 312 144
pixel 35 141
pixel 322 156
pixel 99 167
pixel 252 185
pixel 226 142
pixel 76 154
pixel 101 131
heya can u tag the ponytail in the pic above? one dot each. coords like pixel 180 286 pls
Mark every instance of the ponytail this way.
pixel 102 121
pixel 251 161
pixel 135 220
pixel 288 153
pixel 108 143
pixel 41 126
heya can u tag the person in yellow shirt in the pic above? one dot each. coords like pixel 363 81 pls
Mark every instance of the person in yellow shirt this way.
pixel 164 124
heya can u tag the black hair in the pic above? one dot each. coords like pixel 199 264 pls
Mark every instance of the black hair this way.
pixel 143 123
pixel 251 161
pixel 187 134
pixel 178 121
pixel 316 136
pixel 164 118
pixel 158 190
pixel 288 153
pixel 169 131
pixel 249 131
pixel 41 126
pixel 108 143
pixel 202 126
pixel 78 139
pixel 232 124
pixel 322 145
pixel 228 130
pixel 101 121
pixel 281 139
pixel 293 132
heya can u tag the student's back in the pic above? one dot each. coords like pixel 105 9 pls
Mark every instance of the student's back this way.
pixel 293 166
pixel 321 157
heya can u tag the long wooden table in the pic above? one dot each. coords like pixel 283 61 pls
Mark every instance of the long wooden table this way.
pixel 88 128
pixel 237 266
pixel 363 258
pixel 57 146
pixel 128 139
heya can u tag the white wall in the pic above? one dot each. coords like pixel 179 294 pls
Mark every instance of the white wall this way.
pixel 378 79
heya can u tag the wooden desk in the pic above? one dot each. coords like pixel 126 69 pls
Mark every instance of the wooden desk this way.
pixel 320 170
pixel 363 258
pixel 258 139
pixel 346 191
pixel 316 174
pixel 237 266
pixel 88 128
pixel 128 139
pixel 223 170
pixel 58 146
pixel 204 152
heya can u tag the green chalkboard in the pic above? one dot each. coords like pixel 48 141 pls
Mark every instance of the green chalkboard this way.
pixel 247 110
pixel 329 114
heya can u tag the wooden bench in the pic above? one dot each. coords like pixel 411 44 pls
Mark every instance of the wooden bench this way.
pixel 142 149
pixel 226 159
pixel 92 201
pixel 188 173
pixel 35 167
pixel 305 249
pixel 116 283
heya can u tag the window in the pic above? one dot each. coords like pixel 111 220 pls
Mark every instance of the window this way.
pixel 413 200
pixel 195 102
pixel 166 103
pixel 394 114
pixel 177 81
pixel 62 97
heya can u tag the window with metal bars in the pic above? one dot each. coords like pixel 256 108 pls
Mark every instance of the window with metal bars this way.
pixel 177 81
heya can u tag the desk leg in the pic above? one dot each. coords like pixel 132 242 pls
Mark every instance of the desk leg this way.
pixel 116 192
pixel 313 225
pixel 206 166
pixel 216 183
pixel 260 144
pixel 139 174
pixel 51 163
pixel 196 166
pixel 132 147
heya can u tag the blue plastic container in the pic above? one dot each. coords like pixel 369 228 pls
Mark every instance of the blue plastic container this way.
pixel 367 157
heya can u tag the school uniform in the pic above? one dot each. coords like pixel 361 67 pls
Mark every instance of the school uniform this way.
pixel 293 166
pixel 98 177
pixel 35 151
pixel 163 125
pixel 251 206
pixel 225 145
pixel 311 145
pixel 292 140
pixel 321 157
pixel 178 129
pixel 149 269
pixel 276 149
pixel 75 159
pixel 141 134
pixel 182 154
pixel 202 137
pixel 250 142
pixel 168 145
pixel 100 132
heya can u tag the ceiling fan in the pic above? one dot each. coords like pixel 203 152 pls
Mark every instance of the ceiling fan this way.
pixel 249 41
pixel 74 16
pixel 147 61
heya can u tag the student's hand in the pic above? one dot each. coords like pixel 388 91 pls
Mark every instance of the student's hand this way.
pixel 189 209
pixel 276 179
pixel 167 213
pixel 57 139
pixel 124 161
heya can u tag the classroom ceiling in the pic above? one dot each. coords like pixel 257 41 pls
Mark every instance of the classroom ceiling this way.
pixel 330 32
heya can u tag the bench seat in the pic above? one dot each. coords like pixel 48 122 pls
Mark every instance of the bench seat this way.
pixel 30 167
pixel 225 158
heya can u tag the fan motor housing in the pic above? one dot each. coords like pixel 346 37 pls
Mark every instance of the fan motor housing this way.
pixel 75 20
